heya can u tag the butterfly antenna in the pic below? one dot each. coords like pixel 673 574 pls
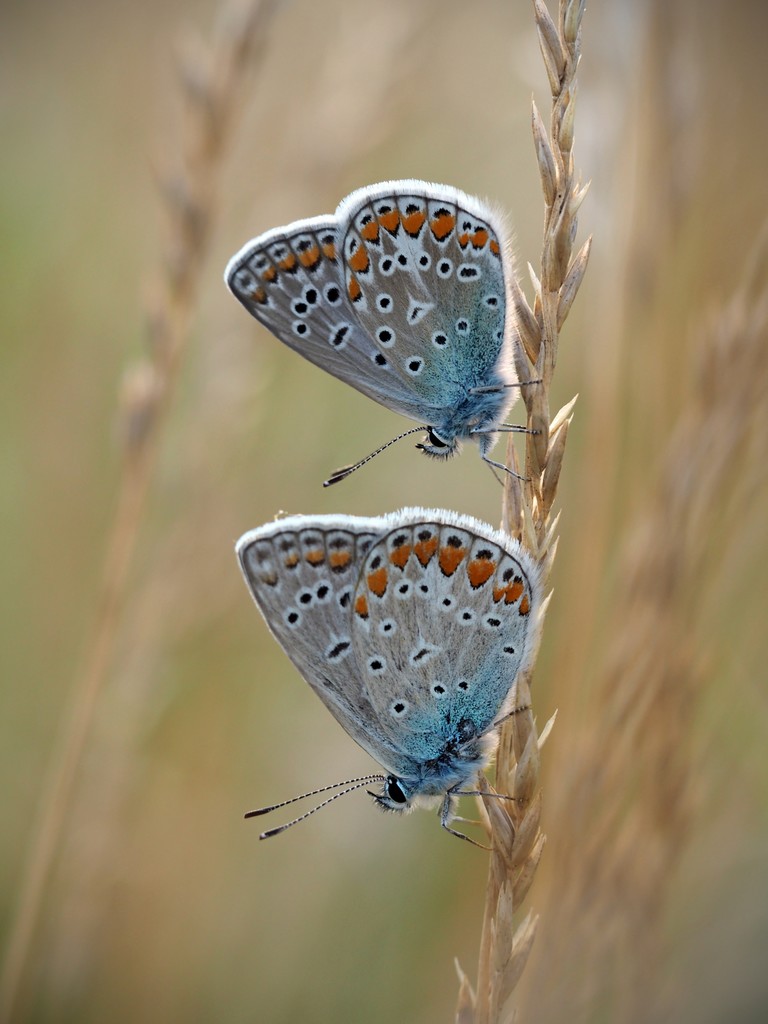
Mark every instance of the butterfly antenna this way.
pixel 344 471
pixel 312 792
pixel 289 824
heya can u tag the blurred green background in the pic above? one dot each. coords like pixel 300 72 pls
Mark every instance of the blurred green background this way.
pixel 163 905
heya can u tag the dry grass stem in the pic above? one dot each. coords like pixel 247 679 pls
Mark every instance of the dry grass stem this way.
pixel 213 80
pixel 514 826
pixel 631 793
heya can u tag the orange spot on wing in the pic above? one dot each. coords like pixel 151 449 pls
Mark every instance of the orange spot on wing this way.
pixel 413 222
pixel 464 240
pixel 291 560
pixel 353 288
pixel 480 571
pixel 315 557
pixel 425 549
pixel 443 225
pixel 361 606
pixel 399 556
pixel 479 238
pixel 510 591
pixel 359 261
pixel 289 263
pixel 310 257
pixel 329 250
pixel 339 559
pixel 269 275
pixel 269 580
pixel 525 606
pixel 377 581
pixel 370 231
pixel 495 247
pixel 258 295
pixel 450 559
pixel 390 221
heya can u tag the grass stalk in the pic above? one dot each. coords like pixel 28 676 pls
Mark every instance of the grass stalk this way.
pixel 514 826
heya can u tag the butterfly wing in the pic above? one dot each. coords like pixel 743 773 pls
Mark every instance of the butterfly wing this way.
pixel 445 614
pixel 302 572
pixel 292 280
pixel 424 269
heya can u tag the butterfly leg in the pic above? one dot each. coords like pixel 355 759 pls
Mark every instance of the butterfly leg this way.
pixel 507 428
pixel 492 389
pixel 446 816
pixel 501 466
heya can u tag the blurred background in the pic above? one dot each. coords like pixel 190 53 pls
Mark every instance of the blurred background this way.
pixel 163 905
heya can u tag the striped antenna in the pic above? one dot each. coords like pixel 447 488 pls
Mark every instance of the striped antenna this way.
pixel 344 471
pixel 350 786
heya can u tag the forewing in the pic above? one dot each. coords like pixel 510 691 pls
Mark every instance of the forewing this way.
pixel 302 574
pixel 442 624
pixel 424 270
pixel 292 280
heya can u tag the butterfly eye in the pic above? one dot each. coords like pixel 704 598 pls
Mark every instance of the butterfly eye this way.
pixel 434 440
pixel 395 791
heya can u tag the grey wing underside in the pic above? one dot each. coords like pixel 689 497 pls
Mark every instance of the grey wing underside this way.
pixel 291 280
pixel 303 581
pixel 425 270
pixel 442 625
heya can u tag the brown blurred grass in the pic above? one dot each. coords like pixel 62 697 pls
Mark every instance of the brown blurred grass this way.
pixel 213 80
pixel 162 906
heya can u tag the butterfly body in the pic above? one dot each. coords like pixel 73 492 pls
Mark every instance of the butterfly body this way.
pixel 411 628
pixel 460 757
pixel 402 293
pixel 474 417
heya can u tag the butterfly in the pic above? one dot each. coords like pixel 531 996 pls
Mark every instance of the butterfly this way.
pixel 411 628
pixel 402 293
